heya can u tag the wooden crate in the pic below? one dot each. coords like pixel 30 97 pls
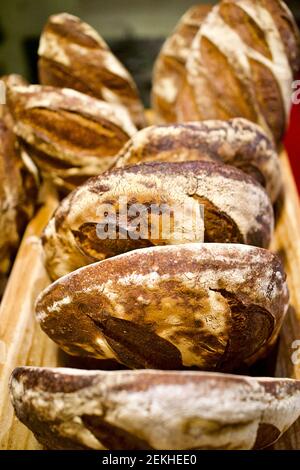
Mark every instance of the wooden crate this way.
pixel 23 343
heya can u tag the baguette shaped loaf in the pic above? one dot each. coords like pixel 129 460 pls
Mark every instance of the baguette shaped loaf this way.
pixel 18 191
pixel 72 238
pixel 241 63
pixel 73 55
pixel 237 142
pixel 69 135
pixel 169 74
pixel 209 306
pixel 144 410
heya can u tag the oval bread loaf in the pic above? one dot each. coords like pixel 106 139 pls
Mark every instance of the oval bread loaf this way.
pixel 158 192
pixel 241 62
pixel 69 135
pixel 209 306
pixel 73 55
pixel 144 410
pixel 237 142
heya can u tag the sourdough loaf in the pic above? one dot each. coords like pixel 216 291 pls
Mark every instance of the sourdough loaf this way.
pixel 237 142
pixel 73 55
pixel 144 410
pixel 18 191
pixel 241 63
pixel 73 237
pixel 209 306
pixel 69 135
pixel 169 73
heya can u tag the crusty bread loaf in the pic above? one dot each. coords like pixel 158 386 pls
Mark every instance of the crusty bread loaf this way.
pixel 18 190
pixel 169 73
pixel 237 142
pixel 72 238
pixel 209 306
pixel 10 81
pixel 73 55
pixel 69 135
pixel 144 410
pixel 241 63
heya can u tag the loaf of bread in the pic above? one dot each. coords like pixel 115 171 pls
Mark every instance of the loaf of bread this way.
pixel 237 142
pixel 207 306
pixel 241 64
pixel 143 410
pixel 69 135
pixel 18 191
pixel 169 73
pixel 181 192
pixel 10 81
pixel 73 55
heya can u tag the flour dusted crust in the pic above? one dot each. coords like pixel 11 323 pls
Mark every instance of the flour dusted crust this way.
pixel 210 306
pixel 71 239
pixel 125 410
pixel 69 135
pixel 73 55
pixel 237 142
pixel 241 62
pixel 169 68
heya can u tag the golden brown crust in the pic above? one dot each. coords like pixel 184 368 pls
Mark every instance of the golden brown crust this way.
pixel 72 238
pixel 125 410
pixel 237 142
pixel 209 306
pixel 169 69
pixel 69 135
pixel 241 63
pixel 73 55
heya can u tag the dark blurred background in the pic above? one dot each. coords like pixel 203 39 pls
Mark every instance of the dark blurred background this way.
pixel 134 29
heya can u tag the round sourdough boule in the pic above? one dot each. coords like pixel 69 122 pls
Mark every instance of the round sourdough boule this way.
pixel 237 142
pixel 72 238
pixel 143 410
pixel 209 306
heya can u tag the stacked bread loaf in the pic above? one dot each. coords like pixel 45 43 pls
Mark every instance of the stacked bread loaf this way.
pixel 18 189
pixel 240 62
pixel 190 306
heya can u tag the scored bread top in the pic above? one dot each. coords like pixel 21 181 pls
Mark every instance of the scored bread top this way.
pixel 238 142
pixel 68 134
pixel 210 306
pixel 73 55
pixel 71 239
pixel 169 69
pixel 131 410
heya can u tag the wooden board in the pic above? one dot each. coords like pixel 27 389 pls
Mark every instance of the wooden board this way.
pixel 23 343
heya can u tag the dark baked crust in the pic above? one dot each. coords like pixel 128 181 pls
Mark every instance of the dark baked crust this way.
pixel 73 55
pixel 18 192
pixel 210 306
pixel 125 410
pixel 69 135
pixel 72 239
pixel 241 63
pixel 237 142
